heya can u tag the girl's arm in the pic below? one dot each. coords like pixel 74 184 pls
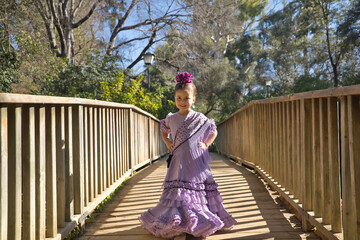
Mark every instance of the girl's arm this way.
pixel 167 141
pixel 208 141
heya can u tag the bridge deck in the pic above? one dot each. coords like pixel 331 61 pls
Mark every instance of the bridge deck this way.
pixel 259 214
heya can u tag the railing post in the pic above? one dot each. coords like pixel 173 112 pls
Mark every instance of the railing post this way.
pixel 316 173
pixel 60 164
pixel 28 181
pixel 78 149
pixel 69 170
pixel 324 161
pixel 15 174
pixel 4 173
pixel 350 119
pixel 95 130
pixel 51 195
pixel 86 155
pixel 149 139
pixel 90 150
pixel 306 158
pixel 40 173
pixel 130 139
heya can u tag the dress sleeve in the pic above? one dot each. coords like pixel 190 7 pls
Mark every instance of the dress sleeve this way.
pixel 164 124
pixel 212 126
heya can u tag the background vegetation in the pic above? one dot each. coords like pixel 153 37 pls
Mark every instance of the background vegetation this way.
pixel 91 49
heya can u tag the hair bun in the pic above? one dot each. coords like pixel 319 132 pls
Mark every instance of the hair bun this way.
pixel 184 77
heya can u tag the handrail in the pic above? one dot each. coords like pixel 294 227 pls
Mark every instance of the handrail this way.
pixel 61 157
pixel 15 98
pixel 298 143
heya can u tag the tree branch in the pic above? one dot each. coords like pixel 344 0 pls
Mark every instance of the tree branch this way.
pixel 151 41
pixel 87 16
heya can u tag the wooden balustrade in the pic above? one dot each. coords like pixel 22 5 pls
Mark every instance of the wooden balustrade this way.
pixel 302 144
pixel 61 157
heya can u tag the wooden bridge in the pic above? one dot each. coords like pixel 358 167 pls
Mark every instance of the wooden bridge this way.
pixel 61 157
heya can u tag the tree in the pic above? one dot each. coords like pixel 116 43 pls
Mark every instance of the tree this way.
pixel 61 18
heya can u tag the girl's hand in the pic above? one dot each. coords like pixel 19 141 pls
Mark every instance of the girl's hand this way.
pixel 169 145
pixel 202 145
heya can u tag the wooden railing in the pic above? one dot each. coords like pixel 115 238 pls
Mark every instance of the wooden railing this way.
pixel 61 157
pixel 302 144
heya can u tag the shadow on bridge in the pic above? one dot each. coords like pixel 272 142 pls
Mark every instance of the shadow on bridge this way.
pixel 257 209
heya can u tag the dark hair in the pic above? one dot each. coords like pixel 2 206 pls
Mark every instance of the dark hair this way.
pixel 186 86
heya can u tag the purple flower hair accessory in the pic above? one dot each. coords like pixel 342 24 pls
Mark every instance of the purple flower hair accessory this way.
pixel 184 77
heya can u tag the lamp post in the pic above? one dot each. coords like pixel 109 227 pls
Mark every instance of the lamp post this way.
pixel 268 84
pixel 148 59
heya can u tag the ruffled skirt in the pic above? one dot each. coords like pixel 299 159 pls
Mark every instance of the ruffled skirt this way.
pixel 194 208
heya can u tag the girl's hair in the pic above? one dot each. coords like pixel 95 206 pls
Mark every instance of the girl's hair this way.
pixel 186 86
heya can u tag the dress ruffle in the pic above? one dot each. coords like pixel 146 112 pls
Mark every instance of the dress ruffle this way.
pixel 194 208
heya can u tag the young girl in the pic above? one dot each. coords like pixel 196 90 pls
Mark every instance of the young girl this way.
pixel 190 202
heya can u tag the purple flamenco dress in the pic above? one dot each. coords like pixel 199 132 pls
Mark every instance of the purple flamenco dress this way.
pixel 190 201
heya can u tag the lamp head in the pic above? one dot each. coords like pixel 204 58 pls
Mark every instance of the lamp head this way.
pixel 149 58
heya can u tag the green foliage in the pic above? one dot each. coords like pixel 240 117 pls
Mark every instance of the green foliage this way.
pixel 9 64
pixel 132 93
pixel 304 83
pixel 351 80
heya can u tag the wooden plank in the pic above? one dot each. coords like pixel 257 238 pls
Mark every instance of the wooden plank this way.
pixel 100 152
pixel 334 164
pixel 284 141
pixel 4 173
pixel 316 166
pixel 298 153
pixel 130 139
pixel 104 149
pixel 108 156
pixel 354 157
pixel 277 144
pixel 149 139
pixel 86 155
pixel 60 164
pixel 90 150
pixel 69 170
pixel 289 145
pixel 40 171
pixel 96 131
pixel 78 158
pixel 118 146
pixel 111 141
pixel 28 173
pixel 324 161
pixel 15 174
pixel 273 145
pixel 306 157
pixel 51 192
pixel 348 203
pixel 295 149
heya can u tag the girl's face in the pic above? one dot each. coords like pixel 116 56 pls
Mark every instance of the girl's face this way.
pixel 184 99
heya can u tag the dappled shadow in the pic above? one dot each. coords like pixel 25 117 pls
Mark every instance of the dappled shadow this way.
pixel 257 211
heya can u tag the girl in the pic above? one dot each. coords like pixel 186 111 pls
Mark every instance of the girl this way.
pixel 190 202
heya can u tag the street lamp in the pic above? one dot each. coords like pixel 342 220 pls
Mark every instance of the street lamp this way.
pixel 268 84
pixel 148 58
